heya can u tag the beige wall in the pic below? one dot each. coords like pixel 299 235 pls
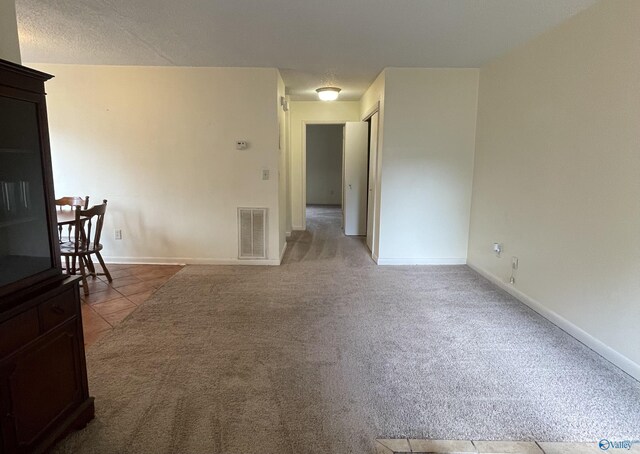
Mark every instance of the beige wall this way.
pixel 9 46
pixel 159 144
pixel 557 177
pixel 311 111
pixel 427 165
pixel 373 97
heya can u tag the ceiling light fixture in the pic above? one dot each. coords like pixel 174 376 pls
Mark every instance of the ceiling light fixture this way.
pixel 328 93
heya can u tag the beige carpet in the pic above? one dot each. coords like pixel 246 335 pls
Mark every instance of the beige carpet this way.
pixel 328 352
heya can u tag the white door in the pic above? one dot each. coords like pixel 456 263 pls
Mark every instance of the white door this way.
pixel 373 167
pixel 356 138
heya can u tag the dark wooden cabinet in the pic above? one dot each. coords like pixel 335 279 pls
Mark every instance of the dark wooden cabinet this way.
pixel 43 379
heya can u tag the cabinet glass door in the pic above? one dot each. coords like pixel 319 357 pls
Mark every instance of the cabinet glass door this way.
pixel 24 239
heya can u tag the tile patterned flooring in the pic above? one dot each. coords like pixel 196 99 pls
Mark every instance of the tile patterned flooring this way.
pixel 109 304
pixel 403 445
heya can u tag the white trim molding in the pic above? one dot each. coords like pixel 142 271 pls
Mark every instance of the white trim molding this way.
pixel 284 249
pixel 421 261
pixel 575 331
pixel 188 261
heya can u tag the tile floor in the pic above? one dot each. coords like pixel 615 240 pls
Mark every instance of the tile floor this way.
pixel 403 445
pixel 109 304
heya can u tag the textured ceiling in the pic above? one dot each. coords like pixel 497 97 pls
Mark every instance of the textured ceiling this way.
pixel 313 42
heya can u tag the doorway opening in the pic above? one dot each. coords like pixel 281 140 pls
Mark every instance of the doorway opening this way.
pixel 336 171
pixel 324 145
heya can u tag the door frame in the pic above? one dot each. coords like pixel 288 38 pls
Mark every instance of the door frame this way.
pixel 375 109
pixel 374 231
pixel 305 123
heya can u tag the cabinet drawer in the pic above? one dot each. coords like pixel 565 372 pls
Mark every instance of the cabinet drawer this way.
pixel 17 331
pixel 57 310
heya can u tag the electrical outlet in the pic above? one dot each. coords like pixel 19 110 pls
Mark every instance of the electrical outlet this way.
pixel 242 144
pixel 118 234
pixel 514 263
pixel 497 248
pixel 265 174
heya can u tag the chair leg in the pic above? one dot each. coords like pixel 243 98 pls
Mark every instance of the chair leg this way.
pixel 83 272
pixel 104 267
pixel 66 263
pixel 89 263
pixel 83 259
pixel 73 264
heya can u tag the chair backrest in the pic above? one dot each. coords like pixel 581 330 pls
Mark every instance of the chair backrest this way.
pixel 70 204
pixel 73 202
pixel 88 226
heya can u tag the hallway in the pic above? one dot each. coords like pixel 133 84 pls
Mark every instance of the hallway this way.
pixel 324 240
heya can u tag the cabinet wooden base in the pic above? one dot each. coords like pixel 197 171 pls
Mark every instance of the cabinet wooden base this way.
pixel 44 391
pixel 78 420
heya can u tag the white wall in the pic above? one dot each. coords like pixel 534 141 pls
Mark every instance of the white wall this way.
pixel 282 175
pixel 9 46
pixel 324 164
pixel 374 96
pixel 287 164
pixel 557 177
pixel 309 112
pixel 158 143
pixel 427 165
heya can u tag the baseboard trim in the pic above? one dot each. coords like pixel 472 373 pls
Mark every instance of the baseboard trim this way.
pixel 421 261
pixel 142 261
pixel 297 227
pixel 575 331
pixel 287 234
pixel 374 257
pixel 187 261
pixel 284 249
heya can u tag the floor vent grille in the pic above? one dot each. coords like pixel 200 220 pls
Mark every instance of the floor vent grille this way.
pixel 252 231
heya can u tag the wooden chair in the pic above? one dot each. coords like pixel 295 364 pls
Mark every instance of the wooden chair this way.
pixel 73 202
pixel 88 229
pixel 70 204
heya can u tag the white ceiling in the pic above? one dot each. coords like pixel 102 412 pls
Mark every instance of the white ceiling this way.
pixel 313 42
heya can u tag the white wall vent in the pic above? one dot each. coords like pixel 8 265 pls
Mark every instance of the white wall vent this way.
pixel 252 233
